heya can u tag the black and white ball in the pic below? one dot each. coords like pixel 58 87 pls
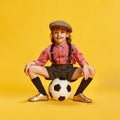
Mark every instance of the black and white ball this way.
pixel 59 89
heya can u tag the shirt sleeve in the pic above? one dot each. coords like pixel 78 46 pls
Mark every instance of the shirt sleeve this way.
pixel 43 58
pixel 79 56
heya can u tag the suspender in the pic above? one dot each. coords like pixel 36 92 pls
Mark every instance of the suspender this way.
pixel 69 53
pixel 51 52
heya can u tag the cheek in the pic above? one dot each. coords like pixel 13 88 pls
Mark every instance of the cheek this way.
pixel 54 36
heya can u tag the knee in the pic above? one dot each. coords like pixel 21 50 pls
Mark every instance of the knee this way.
pixel 31 69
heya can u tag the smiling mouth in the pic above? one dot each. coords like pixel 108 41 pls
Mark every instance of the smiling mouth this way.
pixel 60 38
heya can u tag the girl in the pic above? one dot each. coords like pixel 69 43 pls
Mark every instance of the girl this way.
pixel 63 55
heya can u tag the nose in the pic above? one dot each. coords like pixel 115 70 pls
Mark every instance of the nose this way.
pixel 58 34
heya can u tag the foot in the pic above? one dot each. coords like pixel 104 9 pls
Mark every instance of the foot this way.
pixel 82 98
pixel 39 97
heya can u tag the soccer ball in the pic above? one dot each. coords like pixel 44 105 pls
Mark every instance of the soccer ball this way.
pixel 59 89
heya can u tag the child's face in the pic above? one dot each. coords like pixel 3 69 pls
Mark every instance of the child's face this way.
pixel 60 34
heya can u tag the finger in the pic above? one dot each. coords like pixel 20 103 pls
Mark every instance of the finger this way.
pixel 26 71
pixel 86 76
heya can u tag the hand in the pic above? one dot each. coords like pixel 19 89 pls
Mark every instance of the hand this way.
pixel 28 65
pixel 86 71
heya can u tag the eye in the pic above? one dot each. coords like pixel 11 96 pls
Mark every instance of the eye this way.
pixel 62 31
pixel 55 32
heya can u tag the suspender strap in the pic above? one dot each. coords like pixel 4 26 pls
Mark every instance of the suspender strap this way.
pixel 51 52
pixel 69 53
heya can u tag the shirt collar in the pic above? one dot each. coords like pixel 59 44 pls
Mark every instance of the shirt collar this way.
pixel 64 44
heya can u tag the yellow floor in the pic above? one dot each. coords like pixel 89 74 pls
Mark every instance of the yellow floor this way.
pixel 24 33
pixel 105 106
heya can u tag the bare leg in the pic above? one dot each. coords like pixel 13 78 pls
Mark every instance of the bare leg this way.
pixel 34 71
pixel 78 96
pixel 79 73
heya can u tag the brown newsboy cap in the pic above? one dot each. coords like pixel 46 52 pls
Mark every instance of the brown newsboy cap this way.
pixel 62 24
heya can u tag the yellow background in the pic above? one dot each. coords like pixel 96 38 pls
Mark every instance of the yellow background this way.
pixel 24 33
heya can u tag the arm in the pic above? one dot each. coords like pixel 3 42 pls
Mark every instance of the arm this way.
pixel 77 54
pixel 81 61
pixel 85 71
pixel 43 58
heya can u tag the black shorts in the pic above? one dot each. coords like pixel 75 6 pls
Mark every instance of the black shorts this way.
pixel 62 71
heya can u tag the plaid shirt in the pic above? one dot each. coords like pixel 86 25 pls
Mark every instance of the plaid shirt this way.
pixel 60 53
